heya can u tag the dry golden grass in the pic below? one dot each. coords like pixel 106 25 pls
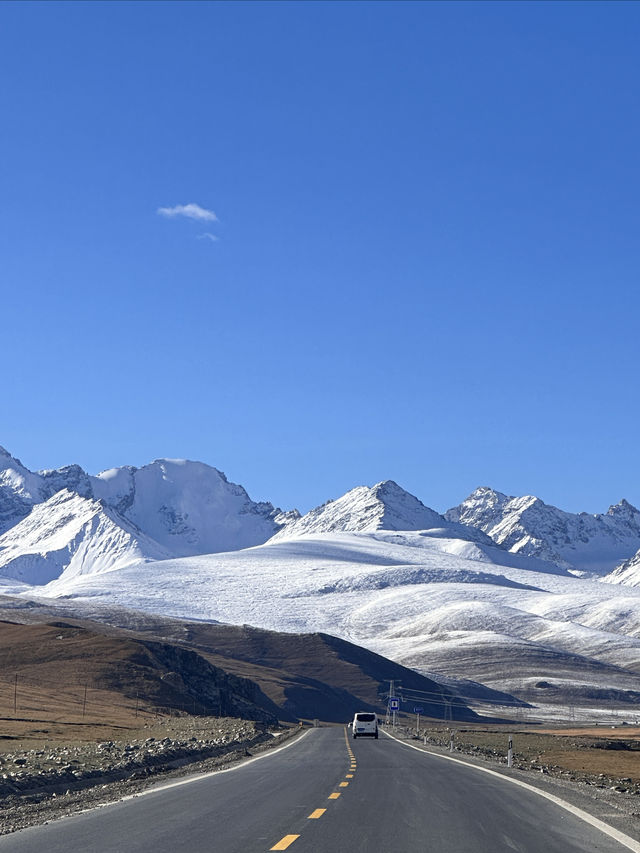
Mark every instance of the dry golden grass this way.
pixel 590 751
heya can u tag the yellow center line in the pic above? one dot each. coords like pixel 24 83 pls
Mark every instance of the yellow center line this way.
pixel 316 814
pixel 349 776
pixel 343 784
pixel 333 796
pixel 284 842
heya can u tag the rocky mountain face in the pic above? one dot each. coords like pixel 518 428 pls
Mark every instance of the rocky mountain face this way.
pixel 526 525
pixel 21 489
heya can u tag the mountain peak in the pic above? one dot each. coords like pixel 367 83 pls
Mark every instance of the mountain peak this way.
pixel 188 507
pixel 623 509
pixel 9 461
pixel 384 506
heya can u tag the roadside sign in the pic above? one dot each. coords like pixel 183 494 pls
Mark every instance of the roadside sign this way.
pixel 418 709
pixel 394 704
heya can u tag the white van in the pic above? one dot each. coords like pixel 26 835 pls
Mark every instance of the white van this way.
pixel 365 724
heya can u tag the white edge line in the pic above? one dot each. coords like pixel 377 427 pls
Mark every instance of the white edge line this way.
pixel 198 776
pixel 618 836
pixel 157 788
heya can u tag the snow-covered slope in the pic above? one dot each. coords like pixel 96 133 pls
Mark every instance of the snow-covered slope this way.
pixel 438 604
pixel 68 536
pixel 526 525
pixel 627 573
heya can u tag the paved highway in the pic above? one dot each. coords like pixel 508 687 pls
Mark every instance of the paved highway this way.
pixel 326 793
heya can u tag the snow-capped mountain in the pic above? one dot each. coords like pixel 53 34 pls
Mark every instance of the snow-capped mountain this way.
pixel 385 506
pixel 21 489
pixel 183 507
pixel 69 535
pixel 627 573
pixel 526 525
pixel 189 507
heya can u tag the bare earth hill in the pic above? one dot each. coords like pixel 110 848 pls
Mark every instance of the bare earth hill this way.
pixel 57 666
pixel 206 668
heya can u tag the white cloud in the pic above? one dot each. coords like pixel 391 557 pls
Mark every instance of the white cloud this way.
pixel 191 211
pixel 208 236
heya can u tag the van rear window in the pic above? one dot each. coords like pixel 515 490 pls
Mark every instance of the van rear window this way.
pixel 365 718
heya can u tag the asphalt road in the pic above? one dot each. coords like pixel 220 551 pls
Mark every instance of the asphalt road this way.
pixel 314 797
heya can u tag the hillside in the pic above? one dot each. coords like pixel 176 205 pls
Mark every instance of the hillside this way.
pixel 298 675
pixel 57 663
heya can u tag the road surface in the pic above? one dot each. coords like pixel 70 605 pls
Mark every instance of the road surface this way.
pixel 326 793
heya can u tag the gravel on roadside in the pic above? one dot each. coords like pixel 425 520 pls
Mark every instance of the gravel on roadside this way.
pixel 39 785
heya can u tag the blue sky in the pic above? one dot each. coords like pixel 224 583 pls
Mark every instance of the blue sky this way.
pixel 427 253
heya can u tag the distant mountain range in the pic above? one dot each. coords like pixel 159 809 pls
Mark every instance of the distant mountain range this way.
pixel 578 542
pixel 66 520
pixel 505 591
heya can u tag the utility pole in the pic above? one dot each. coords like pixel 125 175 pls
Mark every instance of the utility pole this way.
pixel 84 702
pixel 15 696
pixel 393 705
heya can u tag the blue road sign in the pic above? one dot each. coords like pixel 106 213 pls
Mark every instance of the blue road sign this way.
pixel 418 709
pixel 394 704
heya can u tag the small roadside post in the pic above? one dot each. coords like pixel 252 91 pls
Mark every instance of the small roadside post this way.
pixel 510 752
pixel 417 711
pixel 451 741
pixel 394 706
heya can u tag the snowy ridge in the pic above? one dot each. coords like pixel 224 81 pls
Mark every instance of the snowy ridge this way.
pixel 526 525
pixel 385 506
pixel 68 536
